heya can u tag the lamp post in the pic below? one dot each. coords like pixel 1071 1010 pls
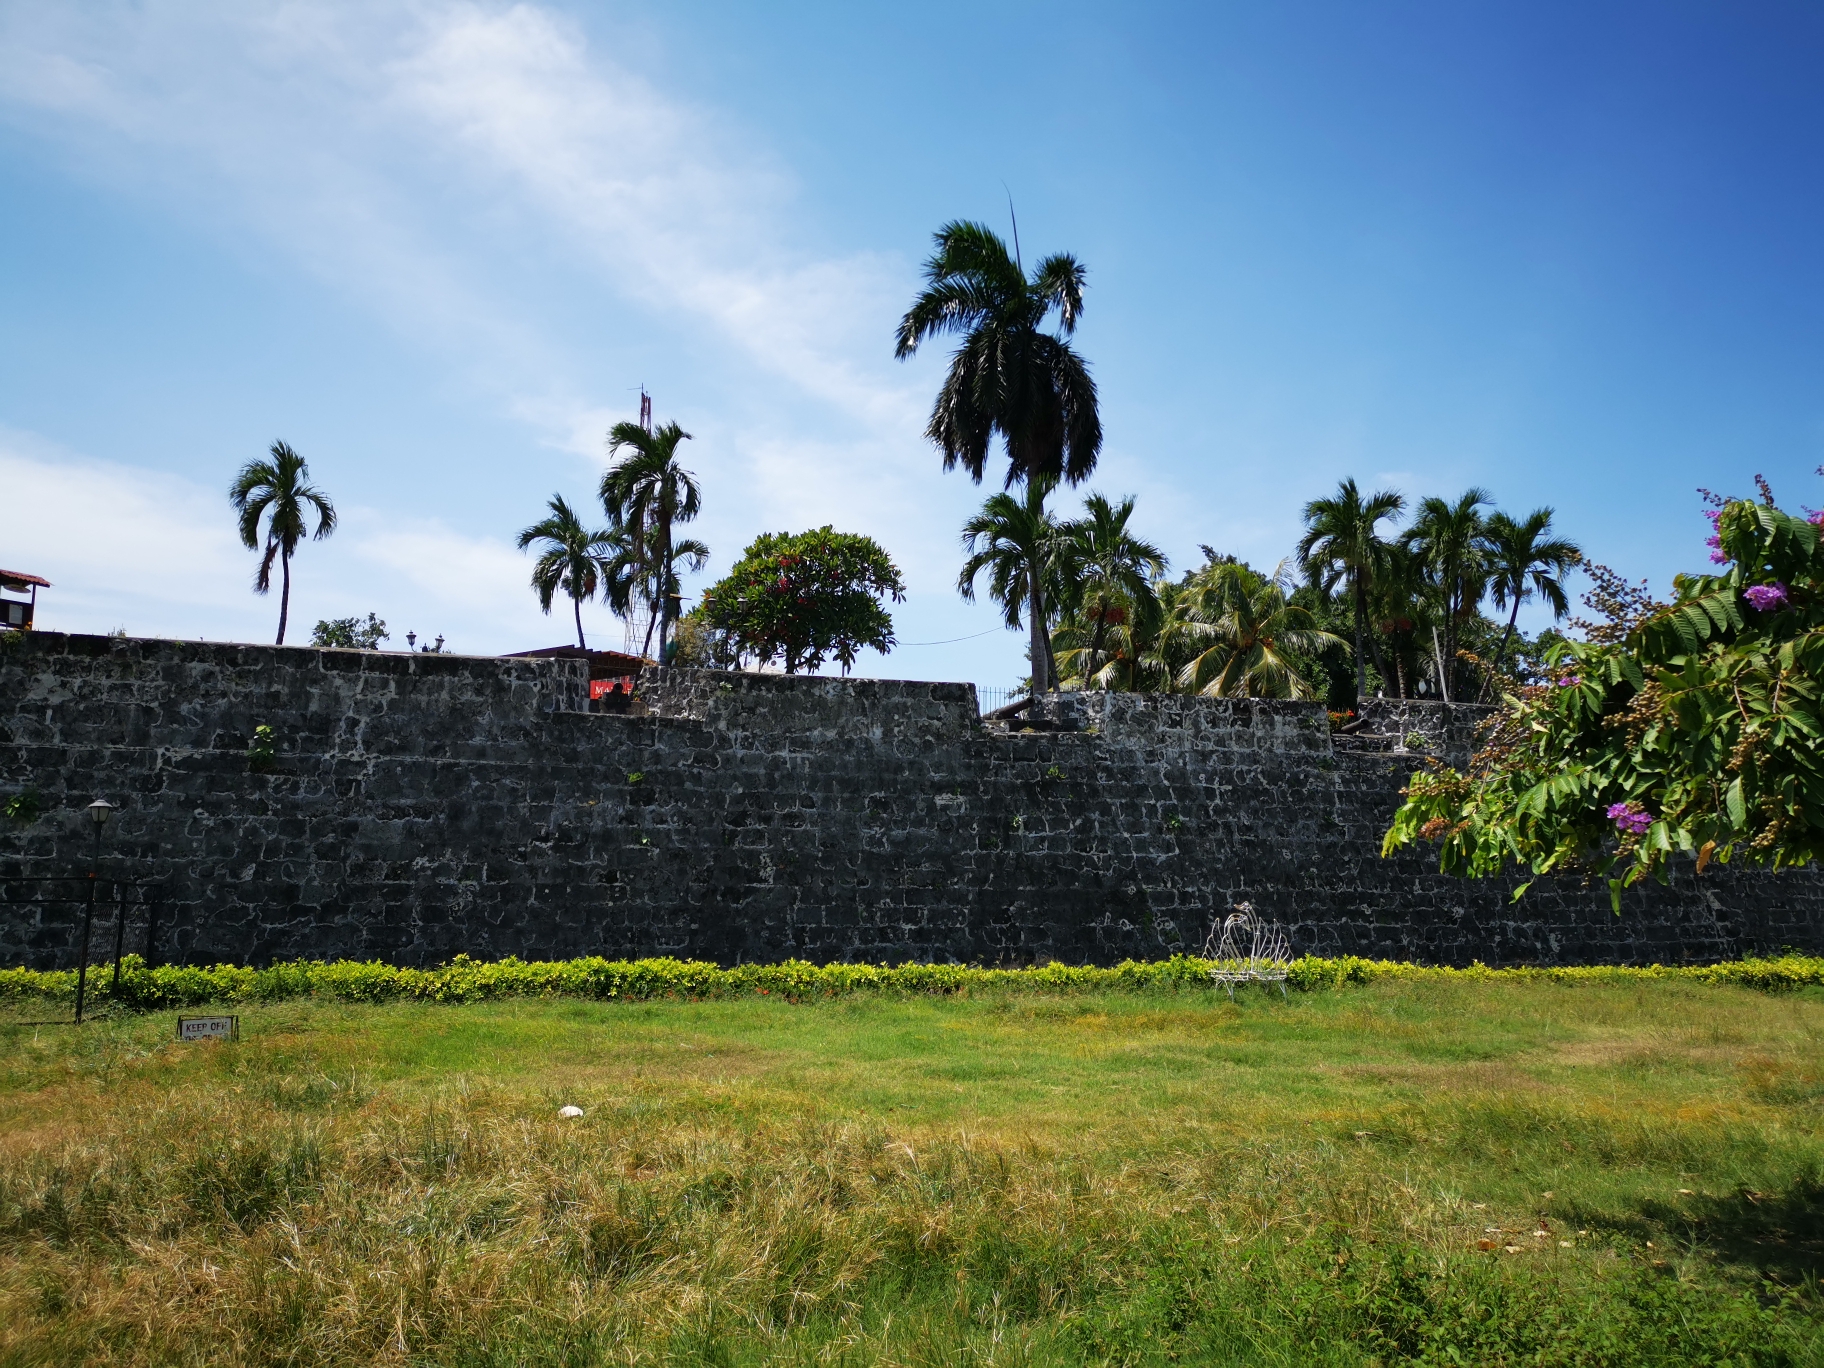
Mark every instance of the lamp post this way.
pixel 99 812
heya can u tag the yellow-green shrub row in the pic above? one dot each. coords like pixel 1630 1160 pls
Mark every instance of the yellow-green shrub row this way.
pixel 468 980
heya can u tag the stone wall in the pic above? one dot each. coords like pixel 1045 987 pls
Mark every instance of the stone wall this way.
pixel 424 806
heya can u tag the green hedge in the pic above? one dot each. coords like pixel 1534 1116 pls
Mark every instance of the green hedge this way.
pixel 467 980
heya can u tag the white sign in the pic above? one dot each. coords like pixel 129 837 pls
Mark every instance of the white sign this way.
pixel 209 1028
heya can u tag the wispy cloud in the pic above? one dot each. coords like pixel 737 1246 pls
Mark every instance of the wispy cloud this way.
pixel 466 174
pixel 391 148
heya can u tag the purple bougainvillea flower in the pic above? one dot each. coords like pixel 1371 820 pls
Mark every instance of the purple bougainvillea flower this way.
pixel 1765 597
pixel 1713 513
pixel 1630 818
pixel 1569 682
pixel 1816 517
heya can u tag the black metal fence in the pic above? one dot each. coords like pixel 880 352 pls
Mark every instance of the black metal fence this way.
pixel 104 905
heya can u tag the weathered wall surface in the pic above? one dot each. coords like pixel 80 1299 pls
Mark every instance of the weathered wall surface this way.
pixel 424 806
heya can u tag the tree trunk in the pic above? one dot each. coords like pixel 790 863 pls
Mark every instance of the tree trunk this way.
pixel 284 594
pixel 1095 645
pixel 1044 673
pixel 577 604
pixel 1374 649
pixel 664 590
pixel 1506 637
pixel 1361 666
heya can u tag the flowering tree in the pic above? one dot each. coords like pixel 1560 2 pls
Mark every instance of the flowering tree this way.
pixel 807 596
pixel 1689 728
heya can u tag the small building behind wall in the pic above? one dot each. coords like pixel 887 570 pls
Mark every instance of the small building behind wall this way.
pixel 15 614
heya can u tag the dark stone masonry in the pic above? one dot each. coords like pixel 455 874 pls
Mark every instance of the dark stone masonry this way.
pixel 423 806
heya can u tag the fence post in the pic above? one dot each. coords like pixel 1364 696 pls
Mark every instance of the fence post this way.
pixel 151 900
pixel 82 966
pixel 120 936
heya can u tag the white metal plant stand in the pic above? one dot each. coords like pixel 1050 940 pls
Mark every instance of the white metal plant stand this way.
pixel 1248 950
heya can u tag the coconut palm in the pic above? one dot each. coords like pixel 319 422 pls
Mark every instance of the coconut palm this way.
pixel 1524 559
pixel 1015 541
pixel 1342 542
pixel 1244 632
pixel 1447 540
pixel 646 493
pixel 574 560
pixel 1108 573
pixel 279 491
pixel 1008 375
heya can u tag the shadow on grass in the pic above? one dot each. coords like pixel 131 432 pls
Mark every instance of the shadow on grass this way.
pixel 1778 1234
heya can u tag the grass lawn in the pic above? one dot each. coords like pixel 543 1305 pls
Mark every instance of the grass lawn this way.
pixel 1437 1172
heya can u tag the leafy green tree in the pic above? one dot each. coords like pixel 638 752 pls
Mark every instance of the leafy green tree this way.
pixel 1015 541
pixel 1242 635
pixel 699 645
pixel 1524 561
pixel 279 492
pixel 574 560
pixel 1342 543
pixel 1108 574
pixel 647 493
pixel 807 596
pixel 350 633
pixel 1008 375
pixel 1446 539
pixel 1690 728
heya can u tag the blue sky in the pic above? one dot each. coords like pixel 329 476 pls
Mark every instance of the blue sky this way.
pixel 1569 252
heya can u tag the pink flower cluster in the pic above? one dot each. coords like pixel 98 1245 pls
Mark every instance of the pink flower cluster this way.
pixel 1765 597
pixel 1630 818
pixel 1569 682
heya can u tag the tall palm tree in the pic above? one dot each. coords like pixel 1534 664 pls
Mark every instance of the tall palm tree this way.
pixel 1525 559
pixel 1008 375
pixel 574 560
pixel 1108 572
pixel 1447 540
pixel 1244 631
pixel 279 490
pixel 647 492
pixel 1342 541
pixel 1016 542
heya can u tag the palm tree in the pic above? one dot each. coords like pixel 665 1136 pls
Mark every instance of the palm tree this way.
pixel 1015 541
pixel 574 560
pixel 1342 541
pixel 279 490
pixel 1447 540
pixel 647 492
pixel 1008 376
pixel 1243 631
pixel 1108 572
pixel 1524 559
